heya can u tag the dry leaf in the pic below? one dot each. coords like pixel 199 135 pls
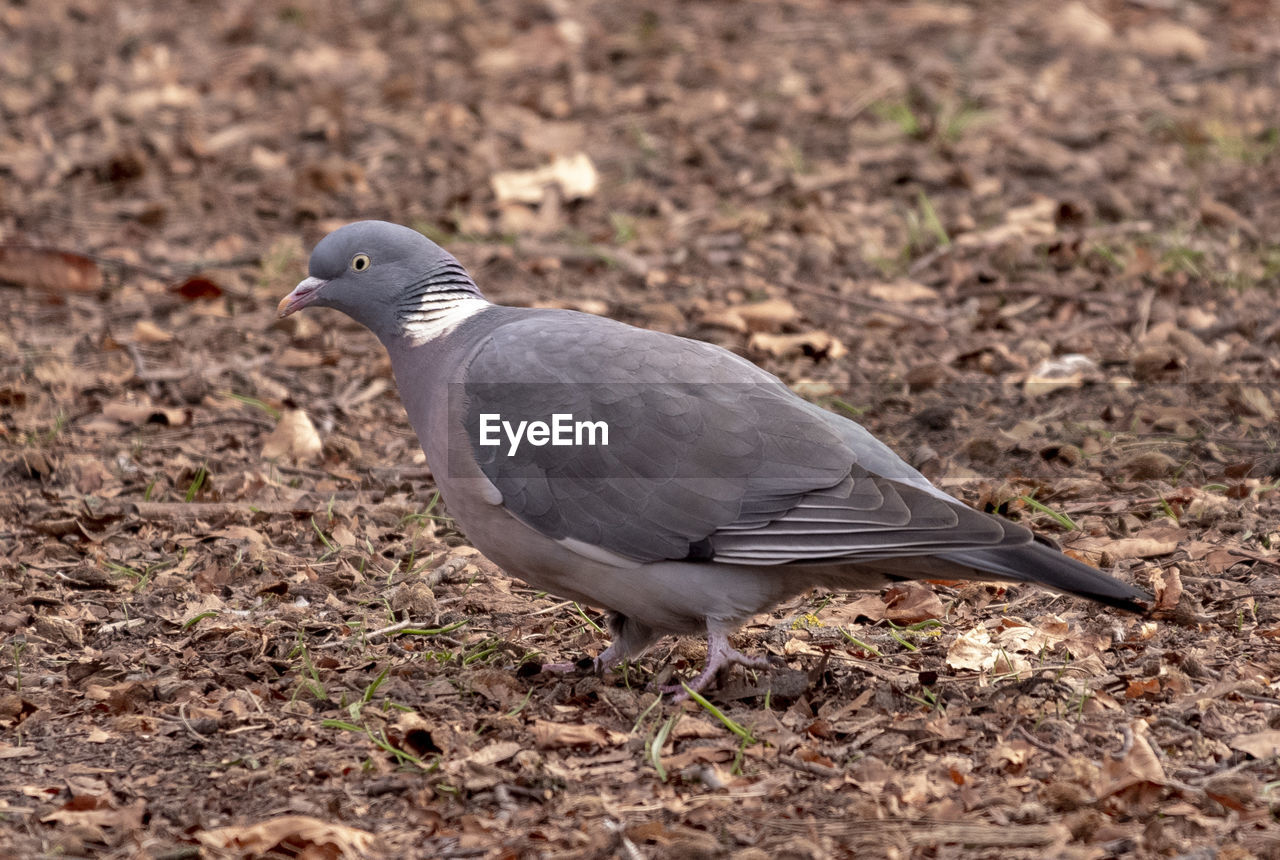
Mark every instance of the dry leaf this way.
pixel 417 736
pixel 574 175
pixel 1033 221
pixel 1260 745
pixel 1168 587
pixel 145 331
pixel 294 358
pixel 725 318
pixel 1077 24
pixel 911 603
pixel 293 836
pixel 972 650
pixel 770 315
pixel 699 755
pixel 295 437
pixel 1011 756
pixel 196 287
pixel 145 413
pixel 98 813
pixel 818 344
pixel 48 269
pixel 867 607
pixel 1134 547
pixel 495 753
pixel 549 735
pixel 901 292
pixel 1139 766
pixel 1168 39
pixel 1251 400
pixel 1066 371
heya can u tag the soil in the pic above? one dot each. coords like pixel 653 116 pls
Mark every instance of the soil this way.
pixel 1031 245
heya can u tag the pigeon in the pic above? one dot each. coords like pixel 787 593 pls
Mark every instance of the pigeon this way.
pixel 667 481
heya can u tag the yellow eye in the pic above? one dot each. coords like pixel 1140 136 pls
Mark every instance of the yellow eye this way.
pixel 360 262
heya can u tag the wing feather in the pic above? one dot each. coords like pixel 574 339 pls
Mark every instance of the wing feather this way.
pixel 704 447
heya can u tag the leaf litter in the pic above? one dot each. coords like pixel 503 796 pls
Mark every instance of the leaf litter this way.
pixel 1031 247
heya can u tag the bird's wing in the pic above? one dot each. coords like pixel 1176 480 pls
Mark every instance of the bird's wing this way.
pixel 708 457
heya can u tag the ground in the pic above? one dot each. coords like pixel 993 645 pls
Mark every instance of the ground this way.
pixel 1034 246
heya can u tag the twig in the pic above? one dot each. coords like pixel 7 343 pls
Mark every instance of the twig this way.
pixel 384 631
pixel 186 724
pixel 867 304
pixel 1037 743
pixel 121 625
pixel 1125 747
pixel 809 766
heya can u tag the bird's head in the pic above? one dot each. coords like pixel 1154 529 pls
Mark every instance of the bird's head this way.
pixel 382 275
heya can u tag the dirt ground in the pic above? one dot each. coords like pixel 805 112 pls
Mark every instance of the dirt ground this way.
pixel 1035 246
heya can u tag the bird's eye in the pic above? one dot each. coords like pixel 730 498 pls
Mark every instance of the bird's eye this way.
pixel 360 262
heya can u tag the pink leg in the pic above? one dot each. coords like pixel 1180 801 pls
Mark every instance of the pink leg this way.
pixel 719 655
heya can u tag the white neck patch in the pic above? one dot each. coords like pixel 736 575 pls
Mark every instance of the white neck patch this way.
pixel 438 317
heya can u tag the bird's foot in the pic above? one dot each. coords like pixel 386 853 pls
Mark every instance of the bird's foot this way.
pixel 720 654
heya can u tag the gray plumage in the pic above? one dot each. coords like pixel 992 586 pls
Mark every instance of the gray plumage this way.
pixel 719 493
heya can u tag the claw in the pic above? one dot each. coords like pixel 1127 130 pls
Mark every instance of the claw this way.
pixel 720 654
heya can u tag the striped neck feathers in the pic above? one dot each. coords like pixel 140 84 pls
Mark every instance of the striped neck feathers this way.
pixel 438 303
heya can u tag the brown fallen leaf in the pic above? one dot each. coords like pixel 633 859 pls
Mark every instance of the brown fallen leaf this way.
pixel 866 608
pixel 1138 767
pixel 479 771
pixel 726 318
pixel 196 287
pixel 1168 39
pixel 698 755
pixel 294 437
pixel 1140 687
pixel 49 269
pixel 549 735
pixel 495 753
pixel 144 413
pixel 145 331
pixel 1251 400
pixel 295 359
pixel 98 813
pixel 1077 24
pixel 1011 756
pixel 1066 371
pixel 912 602
pixel 1035 220
pixel 417 736
pixel 769 315
pixel 1147 545
pixel 574 175
pixel 819 344
pixel 1168 586
pixel 293 836
pixel 972 650
pixel 1260 745
pixel 901 292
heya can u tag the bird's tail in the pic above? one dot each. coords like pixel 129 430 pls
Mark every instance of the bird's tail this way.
pixel 1047 566
pixel 1029 562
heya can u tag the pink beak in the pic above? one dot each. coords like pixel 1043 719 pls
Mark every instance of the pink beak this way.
pixel 302 295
